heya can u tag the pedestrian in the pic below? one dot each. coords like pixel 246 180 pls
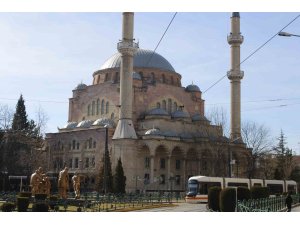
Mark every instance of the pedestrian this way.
pixel 288 202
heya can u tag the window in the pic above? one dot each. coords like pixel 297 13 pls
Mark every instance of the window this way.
pixel 174 106
pixel 93 161
pixel 89 110
pixel 102 106
pixel 146 178
pixel 169 105
pixel 163 78
pixel 90 142
pixel 204 186
pixel 70 163
pixel 112 116
pixel 76 163
pixel 78 145
pixel 106 77
pixel 236 184
pixel 87 162
pixel 107 107
pixel 162 163
pixel 177 164
pixel 116 78
pixel 98 107
pixel 73 144
pixel 162 179
pixel 158 105
pixel 177 179
pixel 164 105
pixel 172 80
pixel 147 162
pixel 94 144
pixel 93 108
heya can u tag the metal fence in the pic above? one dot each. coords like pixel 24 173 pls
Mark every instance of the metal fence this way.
pixel 271 204
pixel 95 202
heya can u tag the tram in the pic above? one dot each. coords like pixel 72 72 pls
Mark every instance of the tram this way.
pixel 198 186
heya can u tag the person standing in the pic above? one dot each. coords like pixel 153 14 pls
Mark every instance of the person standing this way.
pixel 288 202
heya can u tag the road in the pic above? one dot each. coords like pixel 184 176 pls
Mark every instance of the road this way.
pixel 181 207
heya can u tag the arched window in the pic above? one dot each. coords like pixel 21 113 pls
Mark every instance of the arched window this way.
pixel 174 106
pixel 98 79
pixel 73 144
pixel 163 78
pixel 98 106
pixel 152 77
pixel 89 110
pixel 158 105
pixel 106 77
pixel 116 77
pixel 90 142
pixel 78 145
pixel 164 105
pixel 169 105
pixel 93 108
pixel 112 116
pixel 172 80
pixel 107 107
pixel 94 144
pixel 102 106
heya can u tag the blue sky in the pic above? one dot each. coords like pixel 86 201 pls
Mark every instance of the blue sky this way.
pixel 45 55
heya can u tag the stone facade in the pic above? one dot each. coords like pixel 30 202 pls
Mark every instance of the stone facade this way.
pixel 175 140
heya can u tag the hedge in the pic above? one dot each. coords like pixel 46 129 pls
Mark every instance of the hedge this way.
pixel 22 204
pixel 213 198
pixel 259 192
pixel 243 193
pixel 227 200
pixel 8 207
pixel 40 207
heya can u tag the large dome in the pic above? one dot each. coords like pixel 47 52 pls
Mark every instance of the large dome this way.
pixel 142 58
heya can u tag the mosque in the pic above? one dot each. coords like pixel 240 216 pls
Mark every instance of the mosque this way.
pixel 154 124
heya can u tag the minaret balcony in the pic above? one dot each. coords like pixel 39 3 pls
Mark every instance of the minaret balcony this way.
pixel 235 75
pixel 235 39
pixel 127 47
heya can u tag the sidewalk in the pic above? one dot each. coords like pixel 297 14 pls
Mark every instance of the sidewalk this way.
pixel 296 209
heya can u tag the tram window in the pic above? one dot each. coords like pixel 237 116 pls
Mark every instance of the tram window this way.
pixel 204 186
pixel 257 184
pixel 292 189
pixel 275 188
pixel 232 184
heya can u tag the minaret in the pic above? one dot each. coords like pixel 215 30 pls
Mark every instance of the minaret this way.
pixel 235 39
pixel 127 48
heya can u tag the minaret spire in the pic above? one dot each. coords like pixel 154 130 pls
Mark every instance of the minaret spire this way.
pixel 127 48
pixel 235 39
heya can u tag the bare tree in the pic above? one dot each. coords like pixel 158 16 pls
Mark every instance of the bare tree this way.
pixel 41 120
pixel 6 116
pixel 257 138
pixel 218 116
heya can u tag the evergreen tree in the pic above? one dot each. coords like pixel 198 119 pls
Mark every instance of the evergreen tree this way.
pixel 119 178
pixel 109 177
pixel 20 121
pixel 284 158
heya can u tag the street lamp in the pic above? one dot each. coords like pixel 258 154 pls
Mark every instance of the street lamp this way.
pixel 230 161
pixel 286 34
pixel 4 172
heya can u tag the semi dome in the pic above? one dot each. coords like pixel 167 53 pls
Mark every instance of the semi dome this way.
pixel 198 117
pixel 153 131
pixel 180 114
pixel 157 112
pixel 104 121
pixel 142 58
pixel 85 124
pixel 192 88
pixel 81 86
pixel 70 125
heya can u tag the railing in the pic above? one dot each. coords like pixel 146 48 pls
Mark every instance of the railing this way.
pixel 95 202
pixel 272 204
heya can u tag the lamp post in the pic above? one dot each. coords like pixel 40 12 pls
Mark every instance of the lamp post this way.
pixel 4 172
pixel 286 34
pixel 230 161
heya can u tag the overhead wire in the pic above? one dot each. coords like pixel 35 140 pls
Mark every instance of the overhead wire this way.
pixel 255 51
